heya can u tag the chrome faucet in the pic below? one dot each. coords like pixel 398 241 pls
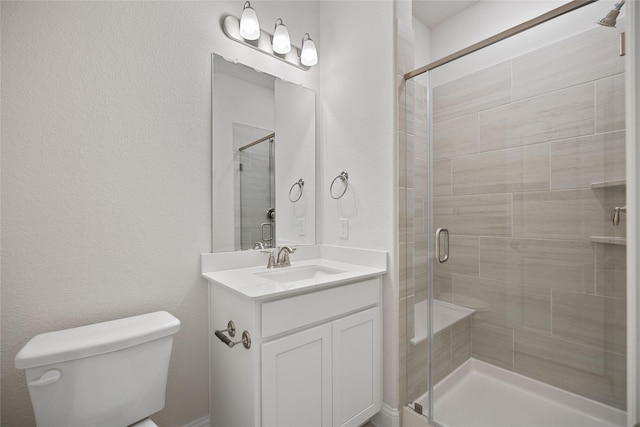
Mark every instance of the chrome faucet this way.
pixel 282 259
pixel 283 256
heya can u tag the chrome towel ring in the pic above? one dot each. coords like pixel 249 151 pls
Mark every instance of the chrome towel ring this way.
pixel 300 184
pixel 344 178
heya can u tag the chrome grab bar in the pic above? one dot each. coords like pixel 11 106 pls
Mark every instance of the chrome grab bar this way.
pixel 442 258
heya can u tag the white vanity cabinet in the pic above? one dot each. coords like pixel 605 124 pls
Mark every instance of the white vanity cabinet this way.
pixel 315 357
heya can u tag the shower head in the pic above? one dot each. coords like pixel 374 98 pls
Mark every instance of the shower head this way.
pixel 610 19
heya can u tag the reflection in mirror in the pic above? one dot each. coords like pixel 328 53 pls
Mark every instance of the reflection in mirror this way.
pixel 255 200
pixel 263 145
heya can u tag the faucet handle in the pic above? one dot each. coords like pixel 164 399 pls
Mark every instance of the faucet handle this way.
pixel 271 263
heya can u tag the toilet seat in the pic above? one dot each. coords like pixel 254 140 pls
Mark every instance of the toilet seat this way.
pixel 144 423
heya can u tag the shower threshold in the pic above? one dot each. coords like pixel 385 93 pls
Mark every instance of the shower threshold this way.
pixel 478 394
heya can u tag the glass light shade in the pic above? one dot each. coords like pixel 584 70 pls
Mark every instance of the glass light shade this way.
pixel 281 40
pixel 249 25
pixel 309 54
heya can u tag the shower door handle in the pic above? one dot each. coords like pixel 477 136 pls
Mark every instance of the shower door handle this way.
pixel 267 226
pixel 442 256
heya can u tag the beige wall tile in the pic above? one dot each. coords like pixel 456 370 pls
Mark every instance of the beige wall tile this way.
pixel 405 214
pixel 610 104
pixel 492 343
pixel 566 214
pixel 502 171
pixel 460 342
pixel 514 306
pixel 443 287
pixel 405 160
pixel 442 177
pixel 611 270
pixel 441 355
pixel 420 215
pixel 558 264
pixel 420 177
pixel 486 215
pixel 579 162
pixel 529 308
pixel 584 370
pixel 609 198
pixel 557 115
pixel 405 267
pixel 420 117
pixel 463 257
pixel 589 56
pixel 478 91
pixel 405 106
pixel 490 293
pixel 421 254
pixel 417 366
pixel 615 326
pixel 591 320
pixel 455 137
pixel 402 343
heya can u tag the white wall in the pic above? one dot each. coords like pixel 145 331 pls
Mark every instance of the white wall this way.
pixel 106 172
pixel 357 134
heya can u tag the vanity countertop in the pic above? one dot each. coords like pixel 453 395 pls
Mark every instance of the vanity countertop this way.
pixel 312 268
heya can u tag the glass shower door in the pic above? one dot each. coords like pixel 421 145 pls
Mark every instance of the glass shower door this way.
pixel 520 301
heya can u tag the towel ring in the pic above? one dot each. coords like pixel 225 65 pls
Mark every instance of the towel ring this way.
pixel 300 184
pixel 344 178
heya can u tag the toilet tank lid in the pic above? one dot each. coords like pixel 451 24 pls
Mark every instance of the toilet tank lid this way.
pixel 95 339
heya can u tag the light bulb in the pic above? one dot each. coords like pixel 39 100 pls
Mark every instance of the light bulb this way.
pixel 281 40
pixel 308 54
pixel 249 25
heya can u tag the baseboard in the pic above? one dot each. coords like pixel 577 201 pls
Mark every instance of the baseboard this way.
pixel 200 422
pixel 387 417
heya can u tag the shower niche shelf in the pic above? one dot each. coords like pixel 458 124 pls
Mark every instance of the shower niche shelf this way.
pixel 609 184
pixel 609 240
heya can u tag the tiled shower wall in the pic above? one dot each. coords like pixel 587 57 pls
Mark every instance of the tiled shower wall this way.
pixel 518 147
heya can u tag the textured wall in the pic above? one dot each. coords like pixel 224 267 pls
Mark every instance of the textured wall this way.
pixel 356 127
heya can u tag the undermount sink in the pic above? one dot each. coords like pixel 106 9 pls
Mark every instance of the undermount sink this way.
pixel 294 274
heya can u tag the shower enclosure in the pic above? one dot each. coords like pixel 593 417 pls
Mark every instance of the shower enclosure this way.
pixel 512 266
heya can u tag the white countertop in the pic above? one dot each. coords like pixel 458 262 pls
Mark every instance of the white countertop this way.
pixel 354 264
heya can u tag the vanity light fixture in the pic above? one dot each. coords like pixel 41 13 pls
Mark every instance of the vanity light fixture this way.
pixel 246 31
pixel 249 25
pixel 281 41
pixel 308 54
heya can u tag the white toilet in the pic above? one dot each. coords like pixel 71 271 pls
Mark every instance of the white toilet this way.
pixel 110 374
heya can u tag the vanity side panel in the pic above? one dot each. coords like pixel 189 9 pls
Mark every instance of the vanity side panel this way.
pixel 234 371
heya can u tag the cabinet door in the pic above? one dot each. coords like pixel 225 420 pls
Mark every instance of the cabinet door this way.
pixel 357 369
pixel 296 379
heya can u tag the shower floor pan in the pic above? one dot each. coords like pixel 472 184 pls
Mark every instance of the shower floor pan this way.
pixel 478 394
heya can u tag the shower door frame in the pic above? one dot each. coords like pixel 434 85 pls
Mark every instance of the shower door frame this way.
pixel 632 69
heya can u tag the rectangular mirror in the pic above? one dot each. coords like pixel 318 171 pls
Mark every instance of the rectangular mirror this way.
pixel 263 160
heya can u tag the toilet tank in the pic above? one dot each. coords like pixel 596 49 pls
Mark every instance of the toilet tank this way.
pixel 106 374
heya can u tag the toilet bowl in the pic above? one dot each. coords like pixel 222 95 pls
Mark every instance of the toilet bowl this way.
pixel 106 374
